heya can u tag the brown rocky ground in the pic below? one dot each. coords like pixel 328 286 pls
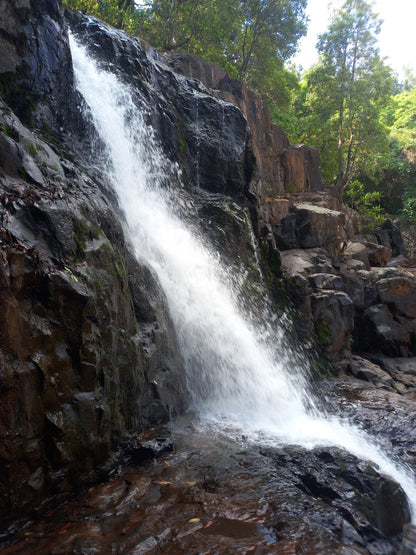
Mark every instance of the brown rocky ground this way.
pixel 212 494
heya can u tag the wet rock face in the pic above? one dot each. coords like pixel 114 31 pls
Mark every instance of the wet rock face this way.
pixel 209 137
pixel 333 319
pixel 88 352
pixel 348 306
pixel 320 303
pixel 88 356
pixel 280 168
pixel 85 333
pixel 35 63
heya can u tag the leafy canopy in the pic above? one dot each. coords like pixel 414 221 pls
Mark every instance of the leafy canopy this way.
pixel 396 175
pixel 366 203
pixel 251 39
pixel 343 95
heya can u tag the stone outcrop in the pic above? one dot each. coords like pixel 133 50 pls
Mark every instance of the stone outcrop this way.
pixel 280 167
pixel 378 255
pixel 323 309
pixel 401 370
pixel 386 321
pixel 356 251
pixel 343 303
pixel 389 236
pixel 85 333
pixel 307 226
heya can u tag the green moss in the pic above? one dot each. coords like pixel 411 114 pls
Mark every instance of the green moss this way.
pixel 323 334
pixel 52 140
pixel 271 265
pixel 80 237
pixel 292 188
pixel 323 368
pixel 23 173
pixel 120 269
pixel 181 140
pixel 141 83
pixel 95 233
pixel 32 149
pixel 182 147
pixel 9 132
pixel 288 293
pixel 84 211
pixel 21 100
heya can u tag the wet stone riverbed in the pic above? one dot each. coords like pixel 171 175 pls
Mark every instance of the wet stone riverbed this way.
pixel 215 495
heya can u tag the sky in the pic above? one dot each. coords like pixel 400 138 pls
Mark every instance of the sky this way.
pixel 397 39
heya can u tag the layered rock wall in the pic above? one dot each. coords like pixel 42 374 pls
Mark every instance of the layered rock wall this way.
pixel 88 354
pixel 281 168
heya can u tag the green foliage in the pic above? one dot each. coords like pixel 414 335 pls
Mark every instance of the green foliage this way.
pixel 367 204
pixel 250 39
pixel 271 267
pixel 9 131
pixel 32 149
pixel 402 118
pixel 408 211
pixel 71 274
pixel 323 334
pixel 96 233
pixel 120 269
pixel 395 174
pixel 341 99
pixel 80 238
pixel 123 14
pixel 279 96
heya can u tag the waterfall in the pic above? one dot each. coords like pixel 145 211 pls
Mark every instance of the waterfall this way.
pixel 239 376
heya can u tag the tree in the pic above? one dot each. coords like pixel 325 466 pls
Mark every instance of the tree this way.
pixel 396 176
pixel 123 14
pixel 203 27
pixel 367 204
pixel 250 39
pixel 347 90
pixel 269 29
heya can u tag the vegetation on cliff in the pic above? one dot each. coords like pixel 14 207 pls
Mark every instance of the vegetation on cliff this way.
pixel 251 39
pixel 345 92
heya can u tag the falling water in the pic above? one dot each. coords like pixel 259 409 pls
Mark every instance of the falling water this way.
pixel 238 375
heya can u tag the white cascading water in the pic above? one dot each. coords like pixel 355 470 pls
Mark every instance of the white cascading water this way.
pixel 234 376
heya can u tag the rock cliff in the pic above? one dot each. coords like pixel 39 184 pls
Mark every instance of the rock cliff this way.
pixel 88 353
pixel 85 332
